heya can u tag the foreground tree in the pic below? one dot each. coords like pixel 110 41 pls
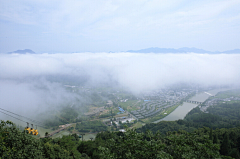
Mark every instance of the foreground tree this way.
pixel 225 146
pixel 16 144
pixel 147 145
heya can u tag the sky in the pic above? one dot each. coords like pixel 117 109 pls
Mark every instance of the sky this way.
pixel 105 25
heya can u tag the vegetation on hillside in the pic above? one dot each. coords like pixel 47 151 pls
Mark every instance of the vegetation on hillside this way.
pixel 181 144
pixel 215 134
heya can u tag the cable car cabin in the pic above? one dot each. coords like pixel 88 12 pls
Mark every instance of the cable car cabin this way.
pixel 35 132
pixel 28 129
pixel 32 131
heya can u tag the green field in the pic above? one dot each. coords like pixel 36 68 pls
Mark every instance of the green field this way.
pixel 88 136
pixel 61 134
pixel 42 131
pixel 137 125
pixel 90 126
pixel 130 105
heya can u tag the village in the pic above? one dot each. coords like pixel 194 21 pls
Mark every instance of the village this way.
pixel 122 110
pixel 215 101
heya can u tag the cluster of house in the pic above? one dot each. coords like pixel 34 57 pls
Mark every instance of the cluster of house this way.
pixel 120 119
pixel 151 108
pixel 166 98
pixel 123 100
pixel 215 101
pixel 124 120
pixel 167 94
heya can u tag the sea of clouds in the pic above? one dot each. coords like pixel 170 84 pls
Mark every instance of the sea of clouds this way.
pixel 25 83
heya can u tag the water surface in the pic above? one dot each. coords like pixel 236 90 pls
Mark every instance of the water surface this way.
pixel 181 111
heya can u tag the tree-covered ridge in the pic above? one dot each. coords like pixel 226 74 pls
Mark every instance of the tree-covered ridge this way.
pixel 220 116
pixel 202 143
pixel 148 145
pixel 226 110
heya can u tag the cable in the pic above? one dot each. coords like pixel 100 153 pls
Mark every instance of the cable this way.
pixel 20 119
pixel 23 116
pixel 13 117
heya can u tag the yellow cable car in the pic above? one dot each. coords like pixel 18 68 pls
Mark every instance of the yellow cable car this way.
pixel 32 130
pixel 28 128
pixel 35 131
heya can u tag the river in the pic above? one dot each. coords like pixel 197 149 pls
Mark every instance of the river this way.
pixel 181 111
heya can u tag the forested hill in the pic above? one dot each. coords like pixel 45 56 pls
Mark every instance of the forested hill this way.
pixel 221 118
pixel 202 143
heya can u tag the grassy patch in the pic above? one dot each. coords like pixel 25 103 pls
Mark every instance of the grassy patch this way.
pixel 42 131
pixel 90 126
pixel 61 134
pixel 129 105
pixel 137 125
pixel 88 136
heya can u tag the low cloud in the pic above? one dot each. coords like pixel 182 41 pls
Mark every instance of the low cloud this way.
pixel 35 82
pixel 131 70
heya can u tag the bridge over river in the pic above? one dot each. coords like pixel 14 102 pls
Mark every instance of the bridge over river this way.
pixel 181 111
pixel 194 102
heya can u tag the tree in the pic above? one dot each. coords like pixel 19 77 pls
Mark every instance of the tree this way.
pixel 225 146
pixel 215 139
pixel 211 135
pixel 17 144
pixel 238 144
pixel 148 145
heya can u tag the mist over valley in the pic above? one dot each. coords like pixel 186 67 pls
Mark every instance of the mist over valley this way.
pixel 33 83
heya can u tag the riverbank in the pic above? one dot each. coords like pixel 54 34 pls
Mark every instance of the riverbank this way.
pixel 181 111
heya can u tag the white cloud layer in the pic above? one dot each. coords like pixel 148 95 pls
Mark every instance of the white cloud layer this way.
pixel 25 86
pixel 131 70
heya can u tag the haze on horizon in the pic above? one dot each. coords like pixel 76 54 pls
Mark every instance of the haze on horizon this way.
pixel 103 26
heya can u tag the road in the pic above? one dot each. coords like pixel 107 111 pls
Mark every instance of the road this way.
pixel 57 131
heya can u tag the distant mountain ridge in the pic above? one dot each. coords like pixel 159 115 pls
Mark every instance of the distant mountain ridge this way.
pixel 152 50
pixel 232 51
pixel 180 50
pixel 25 51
